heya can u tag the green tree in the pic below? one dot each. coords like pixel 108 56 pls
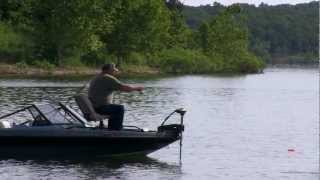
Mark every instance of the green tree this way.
pixel 63 29
pixel 224 37
pixel 180 35
pixel 139 26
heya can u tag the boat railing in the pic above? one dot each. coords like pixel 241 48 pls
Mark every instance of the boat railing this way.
pixel 15 112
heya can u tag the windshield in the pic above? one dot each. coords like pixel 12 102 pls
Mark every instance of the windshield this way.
pixel 56 114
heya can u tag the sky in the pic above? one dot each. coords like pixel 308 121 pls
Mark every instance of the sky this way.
pixel 229 2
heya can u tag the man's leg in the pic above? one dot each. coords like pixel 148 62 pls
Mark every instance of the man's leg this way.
pixel 116 113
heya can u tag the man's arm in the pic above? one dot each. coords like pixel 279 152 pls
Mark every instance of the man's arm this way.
pixel 128 88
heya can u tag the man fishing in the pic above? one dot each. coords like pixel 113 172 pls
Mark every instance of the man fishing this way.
pixel 101 95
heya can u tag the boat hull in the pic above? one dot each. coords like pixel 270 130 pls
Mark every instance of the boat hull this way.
pixel 81 142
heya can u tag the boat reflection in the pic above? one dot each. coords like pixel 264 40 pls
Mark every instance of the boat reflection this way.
pixel 92 168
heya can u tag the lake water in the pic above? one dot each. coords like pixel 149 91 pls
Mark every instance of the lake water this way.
pixel 249 127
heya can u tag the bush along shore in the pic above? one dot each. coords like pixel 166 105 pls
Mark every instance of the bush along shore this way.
pixel 23 70
pixel 146 37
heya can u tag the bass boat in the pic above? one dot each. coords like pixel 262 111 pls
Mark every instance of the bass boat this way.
pixel 56 129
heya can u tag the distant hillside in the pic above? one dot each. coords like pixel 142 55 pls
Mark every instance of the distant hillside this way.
pixel 282 32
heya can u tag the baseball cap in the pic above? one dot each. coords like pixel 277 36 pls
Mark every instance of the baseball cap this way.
pixel 109 66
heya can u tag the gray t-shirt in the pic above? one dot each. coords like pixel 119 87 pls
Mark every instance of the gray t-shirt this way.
pixel 101 89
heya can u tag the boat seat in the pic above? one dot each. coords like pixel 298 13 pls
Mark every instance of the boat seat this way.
pixel 87 109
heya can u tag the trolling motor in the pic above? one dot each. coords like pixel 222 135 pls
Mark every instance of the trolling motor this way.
pixel 178 128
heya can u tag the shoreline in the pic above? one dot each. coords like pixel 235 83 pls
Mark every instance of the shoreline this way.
pixel 82 72
pixel 13 71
